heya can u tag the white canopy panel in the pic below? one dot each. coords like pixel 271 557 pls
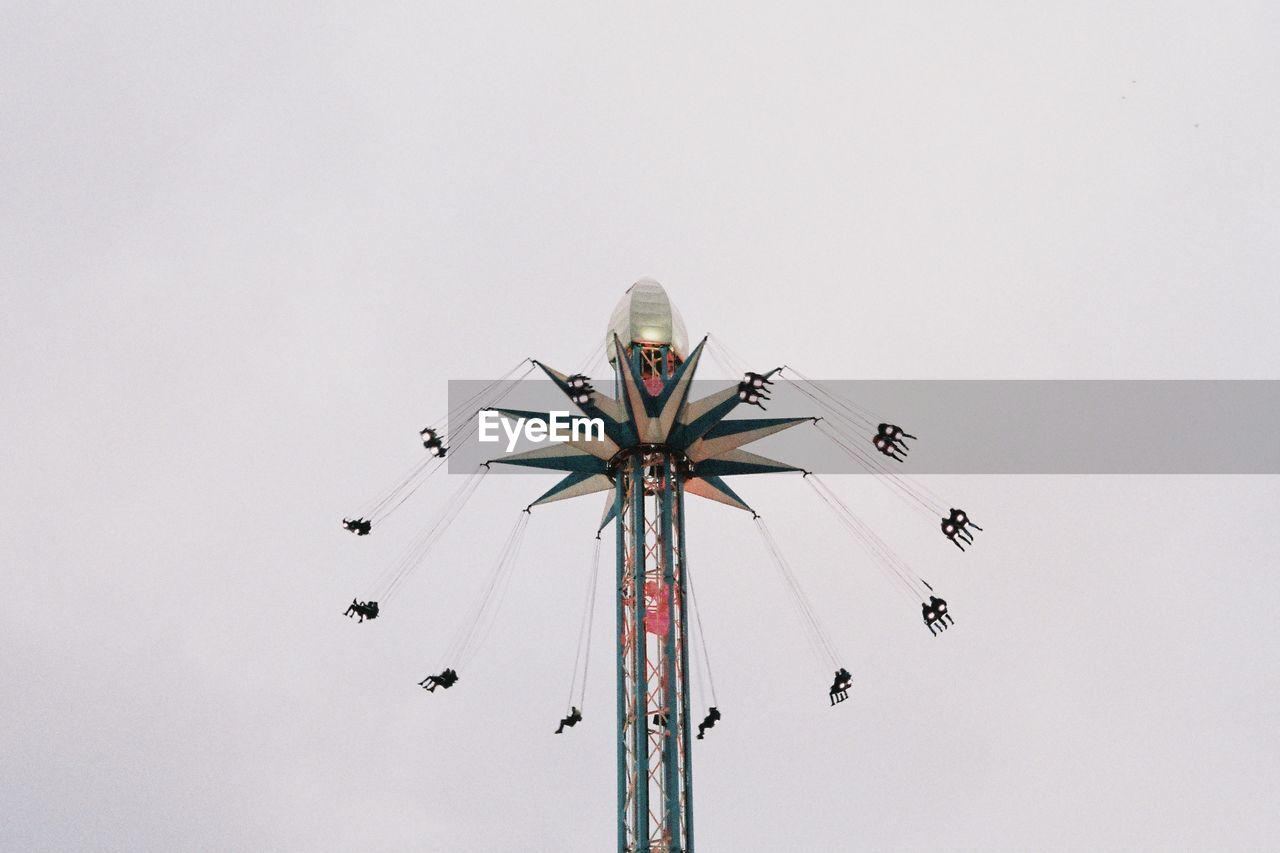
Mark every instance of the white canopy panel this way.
pixel 645 315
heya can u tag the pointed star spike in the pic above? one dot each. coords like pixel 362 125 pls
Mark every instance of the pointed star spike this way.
pixel 607 406
pixel 714 489
pixel 573 486
pixel 634 394
pixel 610 512
pixel 605 448
pixel 557 457
pixel 730 435
pixel 676 392
pixel 741 462
pixel 700 416
pixel 610 410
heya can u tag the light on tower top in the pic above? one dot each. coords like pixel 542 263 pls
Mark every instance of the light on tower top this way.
pixel 645 315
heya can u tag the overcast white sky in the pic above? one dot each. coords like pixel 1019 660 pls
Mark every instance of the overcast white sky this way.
pixel 244 248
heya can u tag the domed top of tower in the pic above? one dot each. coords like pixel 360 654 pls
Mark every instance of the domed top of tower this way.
pixel 645 315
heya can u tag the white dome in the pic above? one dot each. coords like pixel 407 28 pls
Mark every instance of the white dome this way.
pixel 645 315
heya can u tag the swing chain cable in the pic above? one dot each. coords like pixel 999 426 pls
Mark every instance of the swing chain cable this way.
pixel 851 448
pixel 722 358
pixel 901 583
pixel 801 616
pixel 584 642
pixel 477 628
pixel 844 440
pixel 852 443
pixel 473 410
pixel 699 695
pixel 504 586
pixel 809 617
pixel 466 437
pixel 469 405
pixel 384 580
pixel 898 568
pixel 855 525
pixel 731 359
pixel 391 579
pixel 472 406
pixel 702 636
pixel 849 445
pixel 801 613
pixel 849 408
pixel 467 627
pixel 717 358
pixel 374 505
pixel 412 480
pixel 452 510
pixel 848 430
pixel 378 515
pixel 582 620
pixel 835 501
pixel 589 363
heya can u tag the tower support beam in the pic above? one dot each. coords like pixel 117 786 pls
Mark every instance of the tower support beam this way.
pixel 654 772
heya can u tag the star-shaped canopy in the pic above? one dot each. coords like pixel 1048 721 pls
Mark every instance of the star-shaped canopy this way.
pixel 662 419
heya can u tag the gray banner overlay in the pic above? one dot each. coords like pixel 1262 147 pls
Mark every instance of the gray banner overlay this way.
pixel 966 426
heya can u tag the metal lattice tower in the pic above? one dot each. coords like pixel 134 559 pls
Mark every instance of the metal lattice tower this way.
pixel 658 446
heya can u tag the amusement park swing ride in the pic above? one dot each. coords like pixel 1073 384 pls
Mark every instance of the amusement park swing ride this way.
pixel 657 447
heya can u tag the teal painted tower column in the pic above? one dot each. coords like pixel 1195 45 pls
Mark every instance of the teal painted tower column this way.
pixel 619 507
pixel 686 728
pixel 654 812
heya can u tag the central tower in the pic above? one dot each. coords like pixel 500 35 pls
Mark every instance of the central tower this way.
pixel 657 447
pixel 655 773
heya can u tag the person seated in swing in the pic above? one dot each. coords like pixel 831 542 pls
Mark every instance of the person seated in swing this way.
pixel 887 447
pixel 961 519
pixel 840 686
pixel 358 526
pixel 575 717
pixel 363 609
pixel 940 607
pixel 660 719
pixel 446 679
pixel 894 435
pixel 432 441
pixel 935 613
pixel 752 390
pixel 580 389
pixel 956 533
pixel 956 528
pixel 708 722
